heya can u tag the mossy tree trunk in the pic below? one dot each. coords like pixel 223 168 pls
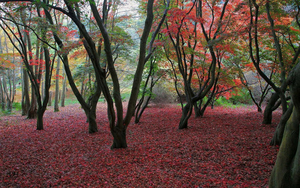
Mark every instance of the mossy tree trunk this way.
pixel 286 172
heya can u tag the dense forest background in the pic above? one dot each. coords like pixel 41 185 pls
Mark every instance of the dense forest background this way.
pixel 128 54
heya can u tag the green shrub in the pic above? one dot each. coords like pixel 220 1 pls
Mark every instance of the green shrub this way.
pixel 17 106
pixel 241 97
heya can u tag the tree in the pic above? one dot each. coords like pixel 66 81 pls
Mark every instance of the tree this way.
pixel 147 88
pixel 194 40
pixel 32 111
pixel 118 124
pixel 27 59
pixel 283 43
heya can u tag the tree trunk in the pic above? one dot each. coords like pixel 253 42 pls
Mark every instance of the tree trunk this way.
pixel 2 99
pixel 9 106
pixel 50 98
pixel 186 113
pixel 25 92
pixel 197 110
pixel 91 118
pixel 2 89
pixel 210 100
pixel 39 123
pixel 141 108
pixel 286 171
pixel 63 93
pixel 119 138
pixel 268 110
pixel 31 114
pixel 56 108
pixel 5 92
pixel 277 138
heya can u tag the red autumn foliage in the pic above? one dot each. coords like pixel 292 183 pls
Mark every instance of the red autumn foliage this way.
pixel 226 148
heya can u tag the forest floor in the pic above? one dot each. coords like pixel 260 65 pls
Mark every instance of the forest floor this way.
pixel 228 147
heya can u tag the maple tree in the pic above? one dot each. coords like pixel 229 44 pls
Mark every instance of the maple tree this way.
pixel 196 31
pixel 118 125
pixel 282 39
pixel 20 34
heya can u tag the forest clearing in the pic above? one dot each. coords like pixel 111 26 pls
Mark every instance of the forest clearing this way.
pixel 183 58
pixel 228 147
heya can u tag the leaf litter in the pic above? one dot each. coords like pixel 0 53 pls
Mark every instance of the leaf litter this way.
pixel 225 148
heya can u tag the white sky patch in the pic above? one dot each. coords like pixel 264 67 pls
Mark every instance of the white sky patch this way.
pixel 129 7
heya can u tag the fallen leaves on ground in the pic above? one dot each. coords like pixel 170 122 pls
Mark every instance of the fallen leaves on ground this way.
pixel 225 148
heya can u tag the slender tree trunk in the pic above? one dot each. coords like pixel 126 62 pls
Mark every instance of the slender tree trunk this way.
pixel 56 101
pixel 141 109
pixel 42 88
pixel 50 98
pixel 42 103
pixel 10 90
pixel 25 92
pixel 2 99
pixel 142 105
pixel 31 114
pixel 63 93
pixel 5 92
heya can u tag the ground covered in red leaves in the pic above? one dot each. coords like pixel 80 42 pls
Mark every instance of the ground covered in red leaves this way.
pixel 225 148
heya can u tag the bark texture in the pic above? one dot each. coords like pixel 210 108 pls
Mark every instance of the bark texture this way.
pixel 286 171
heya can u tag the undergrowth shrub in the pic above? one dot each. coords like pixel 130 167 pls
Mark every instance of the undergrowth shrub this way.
pixel 241 97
